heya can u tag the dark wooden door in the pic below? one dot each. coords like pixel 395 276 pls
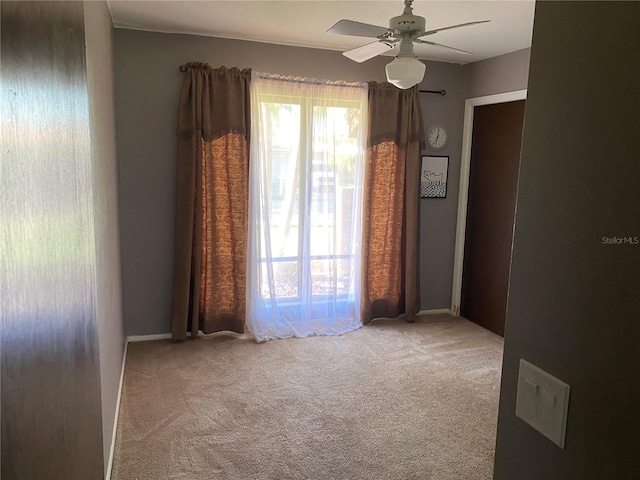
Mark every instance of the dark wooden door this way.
pixel 493 178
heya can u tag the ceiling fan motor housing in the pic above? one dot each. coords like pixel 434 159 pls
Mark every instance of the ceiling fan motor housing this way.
pixel 408 23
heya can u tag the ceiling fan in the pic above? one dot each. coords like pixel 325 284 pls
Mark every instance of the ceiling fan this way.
pixel 406 29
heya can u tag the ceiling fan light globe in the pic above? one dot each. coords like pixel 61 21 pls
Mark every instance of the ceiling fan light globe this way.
pixel 405 72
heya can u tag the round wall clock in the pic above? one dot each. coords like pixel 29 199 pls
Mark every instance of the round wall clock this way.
pixel 437 136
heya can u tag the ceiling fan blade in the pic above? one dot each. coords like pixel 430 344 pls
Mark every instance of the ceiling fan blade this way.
pixel 357 29
pixel 417 40
pixel 368 51
pixel 431 32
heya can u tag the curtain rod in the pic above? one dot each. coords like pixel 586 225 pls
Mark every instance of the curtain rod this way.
pixel 307 80
pixel 183 68
pixel 439 92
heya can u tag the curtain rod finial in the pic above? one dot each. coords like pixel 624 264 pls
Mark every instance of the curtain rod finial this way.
pixel 439 92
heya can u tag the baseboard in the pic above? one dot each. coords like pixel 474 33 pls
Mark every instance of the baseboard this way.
pixel 147 338
pixel 117 414
pixel 435 311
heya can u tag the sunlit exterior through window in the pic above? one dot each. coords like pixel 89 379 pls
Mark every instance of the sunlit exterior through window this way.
pixel 307 157
pixel 321 186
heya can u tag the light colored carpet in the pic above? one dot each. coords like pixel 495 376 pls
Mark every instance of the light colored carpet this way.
pixel 388 401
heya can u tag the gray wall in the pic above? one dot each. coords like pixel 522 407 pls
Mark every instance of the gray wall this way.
pixel 51 419
pixel 99 53
pixel 574 308
pixel 501 74
pixel 148 85
pixel 438 215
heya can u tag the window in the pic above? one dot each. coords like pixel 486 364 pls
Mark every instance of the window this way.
pixel 306 171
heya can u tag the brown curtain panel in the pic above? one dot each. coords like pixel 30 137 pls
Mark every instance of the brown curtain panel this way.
pixel 391 220
pixel 211 201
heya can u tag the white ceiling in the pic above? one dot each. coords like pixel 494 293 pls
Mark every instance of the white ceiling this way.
pixel 304 23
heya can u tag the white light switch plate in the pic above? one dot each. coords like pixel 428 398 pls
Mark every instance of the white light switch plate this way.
pixel 542 402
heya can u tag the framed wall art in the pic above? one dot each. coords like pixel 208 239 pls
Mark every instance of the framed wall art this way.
pixel 433 177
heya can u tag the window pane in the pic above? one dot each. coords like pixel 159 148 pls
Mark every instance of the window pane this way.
pixel 281 155
pixel 335 151
pixel 285 278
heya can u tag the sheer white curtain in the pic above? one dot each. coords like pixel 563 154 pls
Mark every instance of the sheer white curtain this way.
pixel 305 206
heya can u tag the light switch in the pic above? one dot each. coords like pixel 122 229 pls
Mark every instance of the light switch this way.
pixel 547 408
pixel 529 398
pixel 543 402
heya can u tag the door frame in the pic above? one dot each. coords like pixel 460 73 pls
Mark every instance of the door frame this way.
pixel 463 193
